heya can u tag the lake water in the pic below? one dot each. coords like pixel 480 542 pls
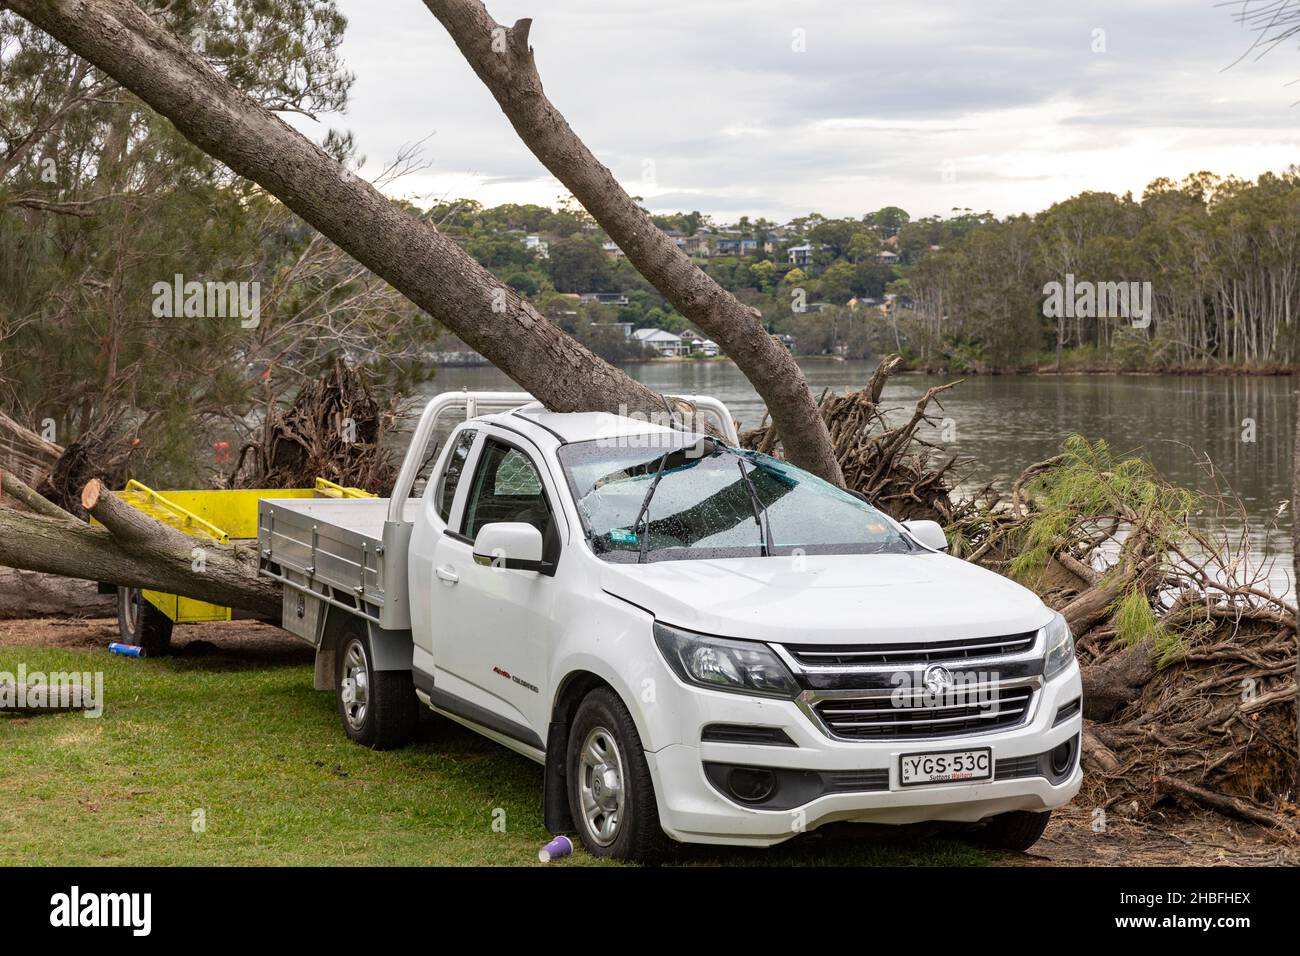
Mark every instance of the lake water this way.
pixel 1007 422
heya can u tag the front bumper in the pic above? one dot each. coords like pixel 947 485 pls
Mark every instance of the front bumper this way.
pixel 694 810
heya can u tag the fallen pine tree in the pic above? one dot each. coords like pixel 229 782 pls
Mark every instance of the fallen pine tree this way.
pixel 1188 659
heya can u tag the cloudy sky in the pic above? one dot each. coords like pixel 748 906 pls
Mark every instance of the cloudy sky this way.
pixel 1002 105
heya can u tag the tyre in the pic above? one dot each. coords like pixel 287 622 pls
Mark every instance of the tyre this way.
pixel 142 624
pixel 611 795
pixel 1016 831
pixel 379 709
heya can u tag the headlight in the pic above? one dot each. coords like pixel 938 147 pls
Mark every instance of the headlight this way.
pixel 745 667
pixel 1060 647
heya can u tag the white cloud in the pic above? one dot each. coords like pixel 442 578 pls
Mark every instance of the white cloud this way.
pixel 930 104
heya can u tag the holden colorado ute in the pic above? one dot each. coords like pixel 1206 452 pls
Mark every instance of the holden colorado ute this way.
pixel 699 643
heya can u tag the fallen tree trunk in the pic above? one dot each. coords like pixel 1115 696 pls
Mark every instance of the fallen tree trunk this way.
pixel 428 268
pixel 1225 804
pixel 32 594
pixel 133 550
pixel 1111 686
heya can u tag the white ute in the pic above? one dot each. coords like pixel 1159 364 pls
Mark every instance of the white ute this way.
pixel 700 643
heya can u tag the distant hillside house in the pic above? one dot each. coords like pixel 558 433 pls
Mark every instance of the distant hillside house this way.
pixel 663 342
pixel 700 244
pixel 886 257
pixel 737 247
pixel 801 255
pixel 624 327
pixel 538 245
pixel 603 298
pixel 611 249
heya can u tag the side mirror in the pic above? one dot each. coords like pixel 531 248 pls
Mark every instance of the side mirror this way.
pixel 516 545
pixel 929 533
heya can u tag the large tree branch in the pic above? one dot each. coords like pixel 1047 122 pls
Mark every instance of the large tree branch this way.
pixel 425 266
pixel 503 60
pixel 132 550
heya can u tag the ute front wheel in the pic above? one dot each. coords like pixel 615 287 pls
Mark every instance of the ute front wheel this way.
pixel 611 795
pixel 1016 831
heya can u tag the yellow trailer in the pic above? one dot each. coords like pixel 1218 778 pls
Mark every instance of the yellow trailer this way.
pixel 145 617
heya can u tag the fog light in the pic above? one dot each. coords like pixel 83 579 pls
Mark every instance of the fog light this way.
pixel 1062 757
pixel 751 785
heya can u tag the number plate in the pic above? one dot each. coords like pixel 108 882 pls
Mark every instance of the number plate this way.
pixel 947 766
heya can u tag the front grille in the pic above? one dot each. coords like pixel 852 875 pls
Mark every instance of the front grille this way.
pixel 877 718
pixel 830 655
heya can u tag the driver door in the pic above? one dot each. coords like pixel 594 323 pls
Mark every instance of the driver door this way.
pixel 492 640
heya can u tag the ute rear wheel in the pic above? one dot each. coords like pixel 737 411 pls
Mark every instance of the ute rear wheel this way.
pixel 379 709
pixel 141 624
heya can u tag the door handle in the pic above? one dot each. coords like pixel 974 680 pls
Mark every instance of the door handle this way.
pixel 446 574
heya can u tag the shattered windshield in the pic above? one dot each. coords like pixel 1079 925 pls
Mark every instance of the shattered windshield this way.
pixel 697 498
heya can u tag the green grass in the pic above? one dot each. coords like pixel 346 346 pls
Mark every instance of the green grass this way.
pixel 263 756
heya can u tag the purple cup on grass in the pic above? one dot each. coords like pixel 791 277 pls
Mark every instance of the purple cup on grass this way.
pixel 559 847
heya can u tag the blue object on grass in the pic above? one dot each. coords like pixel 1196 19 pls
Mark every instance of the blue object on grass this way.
pixel 126 650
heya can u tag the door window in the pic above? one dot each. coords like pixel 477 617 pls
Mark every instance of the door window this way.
pixel 506 488
pixel 451 474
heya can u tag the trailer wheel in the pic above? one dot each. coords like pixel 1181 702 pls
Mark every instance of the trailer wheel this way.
pixel 1016 831
pixel 142 624
pixel 611 795
pixel 379 709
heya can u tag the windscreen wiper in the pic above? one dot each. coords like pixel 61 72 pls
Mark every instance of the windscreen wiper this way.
pixel 645 506
pixel 760 512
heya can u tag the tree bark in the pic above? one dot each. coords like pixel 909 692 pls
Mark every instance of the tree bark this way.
pixel 504 62
pixel 1110 687
pixel 30 594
